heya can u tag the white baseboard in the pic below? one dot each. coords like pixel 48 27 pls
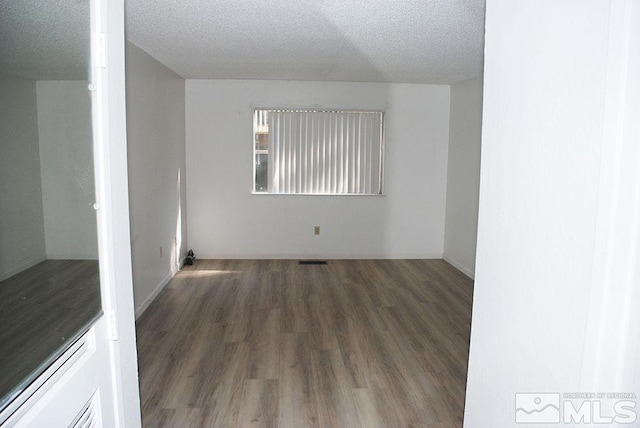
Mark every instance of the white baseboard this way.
pixel 24 266
pixel 70 256
pixel 315 256
pixel 143 307
pixel 456 264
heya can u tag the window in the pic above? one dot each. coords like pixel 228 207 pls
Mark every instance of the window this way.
pixel 318 152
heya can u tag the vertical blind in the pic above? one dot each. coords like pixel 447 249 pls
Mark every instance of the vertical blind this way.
pixel 322 152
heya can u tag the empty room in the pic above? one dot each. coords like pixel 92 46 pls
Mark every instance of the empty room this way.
pixel 320 160
pixel 319 213
pixel 323 162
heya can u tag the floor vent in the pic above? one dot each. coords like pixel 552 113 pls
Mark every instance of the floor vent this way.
pixel 312 262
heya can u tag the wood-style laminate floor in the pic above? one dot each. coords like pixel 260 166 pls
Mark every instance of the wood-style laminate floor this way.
pixel 355 343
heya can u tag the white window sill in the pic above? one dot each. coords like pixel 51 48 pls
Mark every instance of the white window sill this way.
pixel 320 194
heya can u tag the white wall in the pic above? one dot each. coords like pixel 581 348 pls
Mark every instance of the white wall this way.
pixel 544 88
pixel 156 155
pixel 226 220
pixel 66 162
pixel 463 175
pixel 22 241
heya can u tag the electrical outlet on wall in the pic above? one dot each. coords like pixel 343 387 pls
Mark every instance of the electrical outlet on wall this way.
pixel 316 230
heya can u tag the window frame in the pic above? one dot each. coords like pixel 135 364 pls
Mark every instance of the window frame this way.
pixel 382 150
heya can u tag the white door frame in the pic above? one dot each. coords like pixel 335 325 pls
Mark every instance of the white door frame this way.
pixel 112 196
pixel 612 341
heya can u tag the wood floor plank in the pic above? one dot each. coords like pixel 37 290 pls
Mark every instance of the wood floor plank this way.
pixel 259 403
pixel 297 406
pixel 264 339
pixel 331 390
pixel 354 343
pixel 322 334
pixel 366 409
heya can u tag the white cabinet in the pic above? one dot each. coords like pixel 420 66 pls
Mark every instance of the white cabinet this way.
pixel 74 391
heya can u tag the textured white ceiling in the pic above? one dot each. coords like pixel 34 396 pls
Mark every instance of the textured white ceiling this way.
pixel 407 41
pixel 45 40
